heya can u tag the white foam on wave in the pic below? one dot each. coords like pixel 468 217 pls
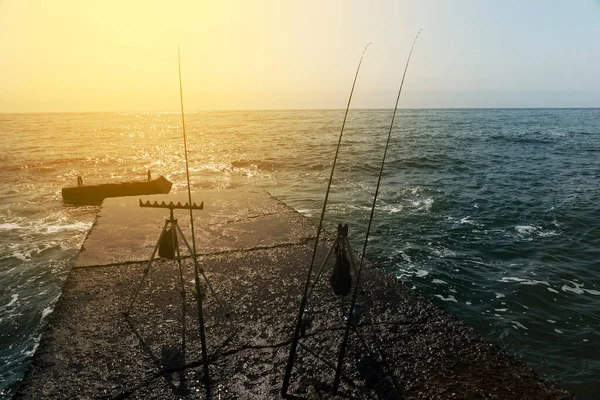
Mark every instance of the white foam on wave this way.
pixel 557 330
pixel 523 281
pixel 552 290
pixel 391 208
pixel 12 301
pixel 410 271
pixel 449 298
pixel 428 203
pixel 499 295
pixel 518 325
pixel 35 226
pixel 525 229
pixel 468 221
pixel 530 230
pixel 405 256
pixel 424 204
pixel 77 226
pixel 443 252
pixel 31 352
pixel 395 209
pixel 420 273
pixel 576 289
pixel 579 289
pixel 547 233
pixel 28 250
pixel 439 282
pixel 20 256
pixel 46 311
pixel 9 226
pixel 305 212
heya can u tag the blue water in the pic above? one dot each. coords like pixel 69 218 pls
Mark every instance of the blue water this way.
pixel 494 213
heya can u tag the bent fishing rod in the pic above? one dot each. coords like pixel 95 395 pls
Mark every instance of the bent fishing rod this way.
pixel 196 269
pixel 296 337
pixel 342 353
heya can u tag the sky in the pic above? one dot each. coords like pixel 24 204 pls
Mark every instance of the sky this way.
pixel 120 55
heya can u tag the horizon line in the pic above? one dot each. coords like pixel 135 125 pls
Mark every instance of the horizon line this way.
pixel 294 109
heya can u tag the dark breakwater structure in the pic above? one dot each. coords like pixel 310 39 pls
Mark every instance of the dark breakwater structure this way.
pixel 254 251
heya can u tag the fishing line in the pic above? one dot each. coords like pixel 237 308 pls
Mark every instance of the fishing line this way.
pixel 354 294
pixel 294 345
pixel 196 276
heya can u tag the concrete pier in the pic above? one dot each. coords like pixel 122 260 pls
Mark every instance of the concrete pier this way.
pixel 255 253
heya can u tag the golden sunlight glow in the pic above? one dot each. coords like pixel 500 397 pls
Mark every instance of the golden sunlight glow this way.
pixel 121 55
pixel 71 55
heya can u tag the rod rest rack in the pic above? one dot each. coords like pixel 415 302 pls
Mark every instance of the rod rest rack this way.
pixel 172 206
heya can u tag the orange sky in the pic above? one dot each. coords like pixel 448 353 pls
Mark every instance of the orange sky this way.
pixel 122 55
pixel 73 55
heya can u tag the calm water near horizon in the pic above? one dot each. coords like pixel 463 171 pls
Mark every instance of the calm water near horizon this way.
pixel 492 213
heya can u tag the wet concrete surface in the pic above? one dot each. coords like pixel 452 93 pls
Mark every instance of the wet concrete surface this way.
pixel 241 220
pixel 403 348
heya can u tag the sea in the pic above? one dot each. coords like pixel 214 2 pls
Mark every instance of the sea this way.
pixel 493 214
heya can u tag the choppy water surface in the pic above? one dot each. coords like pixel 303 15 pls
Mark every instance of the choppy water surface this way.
pixel 494 214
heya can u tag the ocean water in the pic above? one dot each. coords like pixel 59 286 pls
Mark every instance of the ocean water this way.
pixel 492 213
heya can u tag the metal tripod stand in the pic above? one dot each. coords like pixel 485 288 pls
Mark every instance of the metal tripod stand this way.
pixel 172 227
pixel 340 244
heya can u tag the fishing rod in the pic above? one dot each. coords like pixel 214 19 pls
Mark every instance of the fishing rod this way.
pixel 338 371
pixel 296 337
pixel 196 269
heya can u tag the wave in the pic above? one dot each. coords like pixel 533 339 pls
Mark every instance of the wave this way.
pixel 257 164
pixel 524 139
pixel 418 162
pixel 46 228
pixel 528 230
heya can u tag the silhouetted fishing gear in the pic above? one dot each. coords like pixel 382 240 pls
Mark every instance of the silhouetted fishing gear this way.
pixel 168 236
pixel 352 311
pixel 301 320
pixel 341 278
pixel 171 233
pixel 166 239
pixel 167 246
pixel 201 325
